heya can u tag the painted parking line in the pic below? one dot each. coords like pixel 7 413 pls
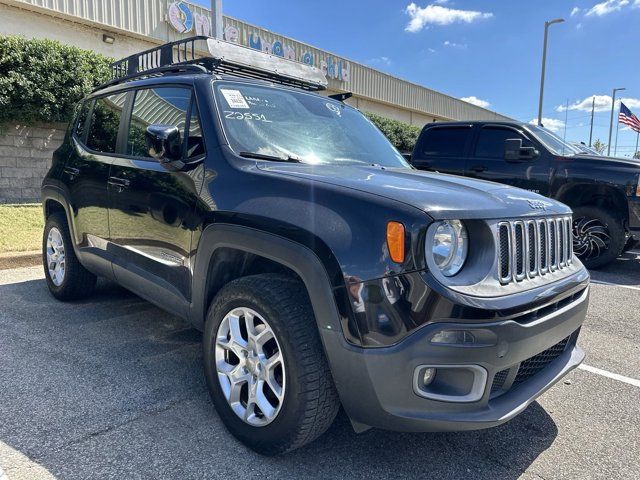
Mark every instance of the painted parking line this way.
pixel 613 376
pixel 611 284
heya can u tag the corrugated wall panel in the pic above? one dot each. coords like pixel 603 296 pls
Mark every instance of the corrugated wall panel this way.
pixel 147 17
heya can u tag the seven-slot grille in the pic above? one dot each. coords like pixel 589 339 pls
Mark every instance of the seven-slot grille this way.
pixel 528 248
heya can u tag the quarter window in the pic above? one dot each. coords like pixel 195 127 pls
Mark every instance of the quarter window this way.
pixel 156 106
pixel 491 141
pixel 105 122
pixel 445 142
pixel 81 119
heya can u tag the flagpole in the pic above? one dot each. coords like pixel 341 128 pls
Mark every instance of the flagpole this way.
pixel 593 109
pixel 615 149
pixel 637 136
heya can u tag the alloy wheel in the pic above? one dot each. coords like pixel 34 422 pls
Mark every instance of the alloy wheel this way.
pixel 55 256
pixel 250 366
pixel 591 237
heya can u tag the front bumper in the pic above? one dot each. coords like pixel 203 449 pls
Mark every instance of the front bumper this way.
pixel 377 385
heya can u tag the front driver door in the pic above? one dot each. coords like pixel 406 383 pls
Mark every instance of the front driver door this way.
pixel 151 208
pixel 488 160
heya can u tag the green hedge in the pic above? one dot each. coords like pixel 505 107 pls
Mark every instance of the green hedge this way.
pixel 401 134
pixel 42 80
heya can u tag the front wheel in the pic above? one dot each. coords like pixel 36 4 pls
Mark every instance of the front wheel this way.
pixel 265 366
pixel 598 238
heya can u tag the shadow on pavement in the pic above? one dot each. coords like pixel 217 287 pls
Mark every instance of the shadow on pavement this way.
pixel 625 270
pixel 113 387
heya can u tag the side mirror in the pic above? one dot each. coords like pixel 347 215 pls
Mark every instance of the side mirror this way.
pixel 164 144
pixel 513 150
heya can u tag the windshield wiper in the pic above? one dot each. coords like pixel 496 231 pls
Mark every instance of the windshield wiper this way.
pixel 271 158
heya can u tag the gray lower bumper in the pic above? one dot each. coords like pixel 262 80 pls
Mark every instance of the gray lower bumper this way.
pixel 376 386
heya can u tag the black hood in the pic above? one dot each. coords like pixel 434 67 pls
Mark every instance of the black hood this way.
pixel 439 195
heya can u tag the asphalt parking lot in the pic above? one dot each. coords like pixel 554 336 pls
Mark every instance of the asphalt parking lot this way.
pixel 113 387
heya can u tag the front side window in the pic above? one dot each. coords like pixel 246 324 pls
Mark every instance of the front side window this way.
pixel 156 106
pixel 445 141
pixel 105 122
pixel 491 141
pixel 287 123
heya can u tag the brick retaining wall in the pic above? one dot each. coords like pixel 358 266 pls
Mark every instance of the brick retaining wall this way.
pixel 25 157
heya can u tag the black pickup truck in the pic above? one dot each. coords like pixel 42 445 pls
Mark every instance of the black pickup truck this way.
pixel 323 270
pixel 602 191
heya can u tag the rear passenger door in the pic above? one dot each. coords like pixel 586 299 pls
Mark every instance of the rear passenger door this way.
pixel 488 160
pixel 151 208
pixel 443 148
pixel 85 176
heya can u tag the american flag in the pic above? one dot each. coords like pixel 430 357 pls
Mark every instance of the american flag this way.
pixel 629 118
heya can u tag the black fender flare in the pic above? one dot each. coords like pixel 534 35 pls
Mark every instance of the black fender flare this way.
pixel 306 264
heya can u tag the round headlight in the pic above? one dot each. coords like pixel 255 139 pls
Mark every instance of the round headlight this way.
pixel 449 247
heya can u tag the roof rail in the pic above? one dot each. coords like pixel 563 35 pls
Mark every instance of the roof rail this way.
pixel 219 58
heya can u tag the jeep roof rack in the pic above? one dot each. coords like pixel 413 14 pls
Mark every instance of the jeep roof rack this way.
pixel 220 58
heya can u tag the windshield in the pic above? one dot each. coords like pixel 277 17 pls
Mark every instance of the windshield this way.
pixel 297 125
pixel 553 142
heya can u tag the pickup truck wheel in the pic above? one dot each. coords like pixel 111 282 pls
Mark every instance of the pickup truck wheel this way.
pixel 66 278
pixel 598 238
pixel 265 366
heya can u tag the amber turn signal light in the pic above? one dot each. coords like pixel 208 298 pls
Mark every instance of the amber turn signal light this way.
pixel 395 241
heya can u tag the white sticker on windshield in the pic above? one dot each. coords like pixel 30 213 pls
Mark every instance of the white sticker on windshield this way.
pixel 234 98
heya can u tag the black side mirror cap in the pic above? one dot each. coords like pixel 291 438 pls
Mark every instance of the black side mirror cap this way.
pixel 164 143
pixel 513 150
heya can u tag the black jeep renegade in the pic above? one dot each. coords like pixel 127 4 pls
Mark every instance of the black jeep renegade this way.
pixel 323 269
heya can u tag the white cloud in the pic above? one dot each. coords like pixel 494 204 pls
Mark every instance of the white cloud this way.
pixel 602 104
pixel 432 50
pixel 433 14
pixel 381 61
pixel 447 43
pixel 549 123
pixel 442 2
pixel 606 7
pixel 476 101
pixel 575 11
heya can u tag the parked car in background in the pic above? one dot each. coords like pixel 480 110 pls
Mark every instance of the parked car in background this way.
pixel 323 269
pixel 602 191
pixel 584 149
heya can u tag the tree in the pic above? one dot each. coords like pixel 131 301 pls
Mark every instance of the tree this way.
pixel 599 146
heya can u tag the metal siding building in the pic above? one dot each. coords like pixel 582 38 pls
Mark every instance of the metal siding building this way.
pixel 138 25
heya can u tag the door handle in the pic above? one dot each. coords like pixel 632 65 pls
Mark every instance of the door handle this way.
pixel 478 168
pixel 71 171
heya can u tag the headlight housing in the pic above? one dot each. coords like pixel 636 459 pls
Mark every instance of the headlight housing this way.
pixel 449 246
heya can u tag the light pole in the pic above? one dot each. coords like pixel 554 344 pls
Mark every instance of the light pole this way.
pixel 544 63
pixel 216 19
pixel 613 106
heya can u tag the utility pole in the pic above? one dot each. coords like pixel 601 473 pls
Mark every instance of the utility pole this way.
pixel 613 105
pixel 566 117
pixel 593 109
pixel 636 150
pixel 615 149
pixel 216 19
pixel 544 64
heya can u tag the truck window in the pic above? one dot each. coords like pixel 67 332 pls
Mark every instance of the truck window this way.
pixel 491 141
pixel 445 141
pixel 105 122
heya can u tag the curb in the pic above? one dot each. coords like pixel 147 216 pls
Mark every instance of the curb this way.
pixel 20 259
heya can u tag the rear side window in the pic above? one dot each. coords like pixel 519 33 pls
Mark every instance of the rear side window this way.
pixel 105 122
pixel 81 118
pixel 156 106
pixel 491 141
pixel 445 141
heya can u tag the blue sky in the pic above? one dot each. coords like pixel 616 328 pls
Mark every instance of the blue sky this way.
pixel 489 50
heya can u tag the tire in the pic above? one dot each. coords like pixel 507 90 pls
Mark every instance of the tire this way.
pixel 598 238
pixel 72 281
pixel 309 398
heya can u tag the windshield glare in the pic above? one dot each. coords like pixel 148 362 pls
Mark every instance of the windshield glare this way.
pixel 313 129
pixel 553 142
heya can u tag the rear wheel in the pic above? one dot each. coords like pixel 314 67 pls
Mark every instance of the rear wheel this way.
pixel 265 366
pixel 66 278
pixel 598 238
